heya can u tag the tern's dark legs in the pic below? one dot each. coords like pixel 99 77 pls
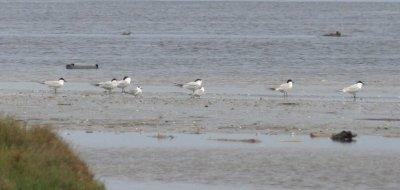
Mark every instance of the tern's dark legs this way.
pixel 285 95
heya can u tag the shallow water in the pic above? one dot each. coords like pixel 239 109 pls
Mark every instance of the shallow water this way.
pixel 237 45
pixel 127 185
pixel 109 140
pixel 133 160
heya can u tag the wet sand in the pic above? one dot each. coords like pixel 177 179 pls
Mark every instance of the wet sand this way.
pixel 80 106
pixel 133 160
pixel 221 140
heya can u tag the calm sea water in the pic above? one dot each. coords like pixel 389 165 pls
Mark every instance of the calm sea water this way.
pixel 228 44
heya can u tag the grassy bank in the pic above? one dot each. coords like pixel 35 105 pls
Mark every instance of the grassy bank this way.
pixel 37 159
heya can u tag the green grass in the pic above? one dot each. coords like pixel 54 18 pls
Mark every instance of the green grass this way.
pixel 37 159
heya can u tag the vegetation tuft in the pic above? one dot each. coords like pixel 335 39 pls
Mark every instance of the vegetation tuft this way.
pixel 36 158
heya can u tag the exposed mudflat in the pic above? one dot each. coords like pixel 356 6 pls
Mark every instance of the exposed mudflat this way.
pixel 81 106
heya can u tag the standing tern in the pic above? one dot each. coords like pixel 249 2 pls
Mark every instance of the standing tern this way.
pixel 108 85
pixel 353 89
pixel 284 88
pixel 125 82
pixel 199 92
pixel 192 86
pixel 55 84
pixel 137 91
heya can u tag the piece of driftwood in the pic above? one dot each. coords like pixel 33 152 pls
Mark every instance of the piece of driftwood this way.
pixel 75 66
pixel 320 134
pixel 238 140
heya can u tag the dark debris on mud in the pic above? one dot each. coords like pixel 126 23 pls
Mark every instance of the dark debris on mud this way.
pixel 238 140
pixel 344 137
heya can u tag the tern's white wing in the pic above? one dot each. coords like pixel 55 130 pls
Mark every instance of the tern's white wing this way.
pixel 53 83
pixel 352 89
pixel 107 85
pixel 101 83
pixel 284 87
pixel 122 84
pixel 191 86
